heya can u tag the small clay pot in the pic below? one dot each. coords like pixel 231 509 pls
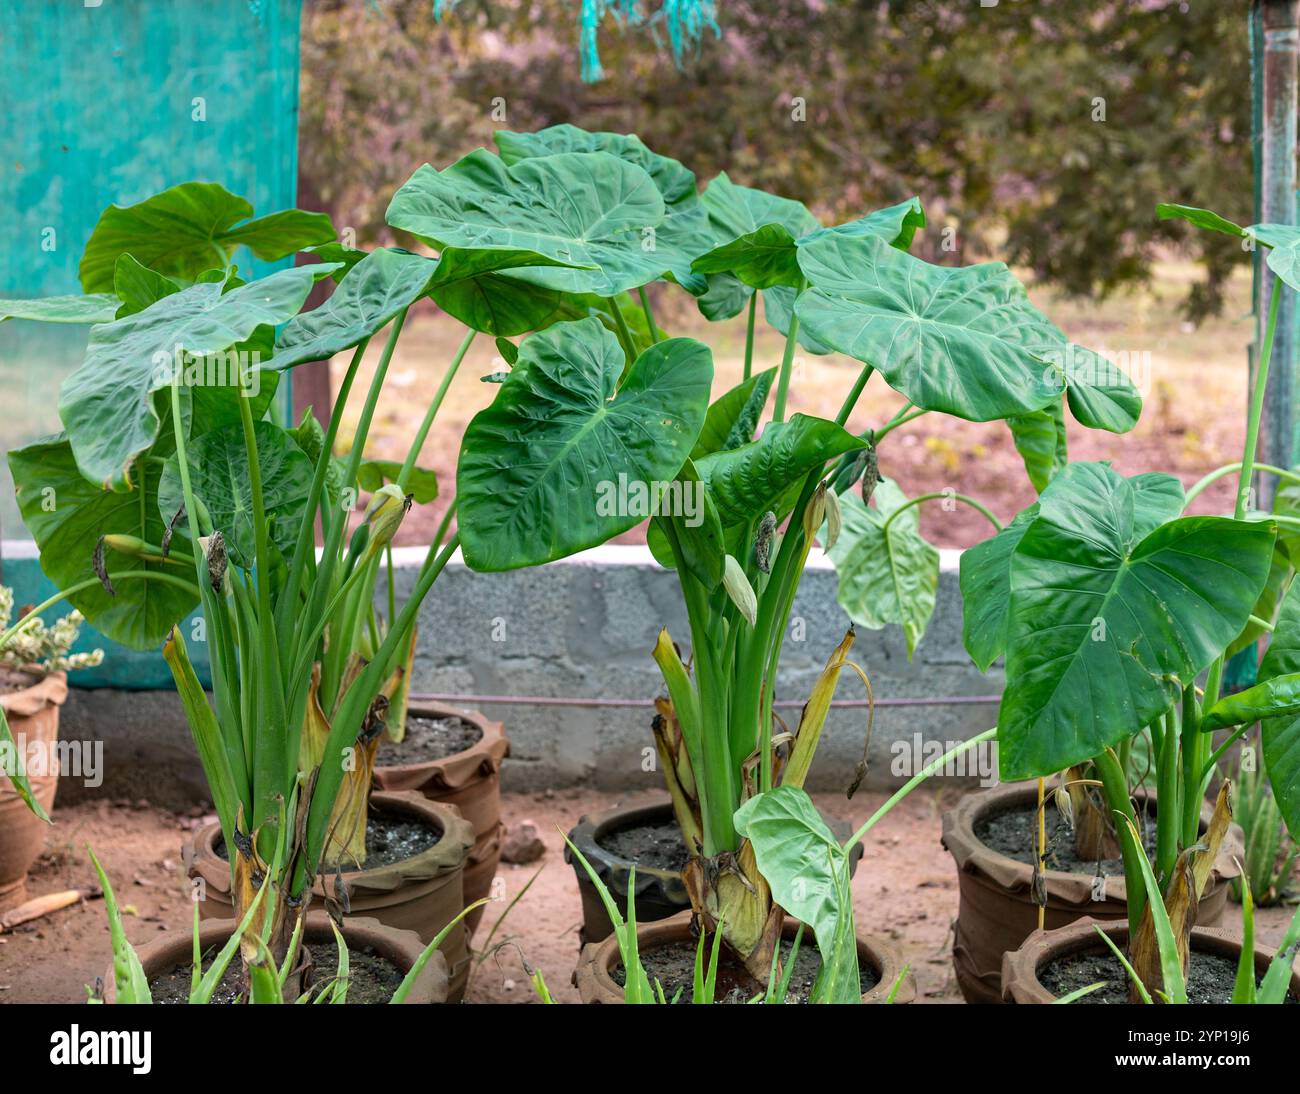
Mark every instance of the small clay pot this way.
pixel 33 715
pixel 659 893
pixel 996 912
pixel 469 780
pixel 402 948
pixel 596 984
pixel 1020 983
pixel 421 894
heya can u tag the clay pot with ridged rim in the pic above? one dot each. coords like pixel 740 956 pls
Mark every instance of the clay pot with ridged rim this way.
pixel 422 893
pixel 33 715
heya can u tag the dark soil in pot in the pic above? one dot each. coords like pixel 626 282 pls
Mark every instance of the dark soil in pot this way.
pixel 1210 977
pixel 650 846
pixel 390 838
pixel 673 966
pixel 431 739
pixel 372 978
pixel 1014 833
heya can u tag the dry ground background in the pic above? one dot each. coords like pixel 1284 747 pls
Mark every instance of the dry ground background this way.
pixel 1193 380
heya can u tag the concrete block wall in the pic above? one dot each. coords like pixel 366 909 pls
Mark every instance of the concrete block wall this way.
pixel 585 628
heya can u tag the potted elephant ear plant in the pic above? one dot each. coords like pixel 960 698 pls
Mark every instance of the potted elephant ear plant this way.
pixel 733 492
pixel 35 659
pixel 1116 613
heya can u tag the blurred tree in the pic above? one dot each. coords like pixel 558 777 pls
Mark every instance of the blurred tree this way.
pixel 1042 131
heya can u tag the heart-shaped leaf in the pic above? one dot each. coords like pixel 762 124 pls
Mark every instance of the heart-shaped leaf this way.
pixel 590 210
pixel 220 479
pixel 986 590
pixel 190 228
pixel 107 405
pixel 541 468
pixel 885 575
pixel 1109 618
pixel 67 514
pixel 962 340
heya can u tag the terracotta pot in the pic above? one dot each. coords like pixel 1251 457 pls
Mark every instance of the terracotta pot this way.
pixel 469 780
pixel 596 984
pixel 659 893
pixel 402 948
pixel 33 715
pixel 1020 982
pixel 420 894
pixel 996 911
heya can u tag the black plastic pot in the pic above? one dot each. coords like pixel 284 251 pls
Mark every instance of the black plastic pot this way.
pixel 659 893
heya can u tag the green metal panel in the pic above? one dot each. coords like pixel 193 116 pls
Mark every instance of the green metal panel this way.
pixel 110 101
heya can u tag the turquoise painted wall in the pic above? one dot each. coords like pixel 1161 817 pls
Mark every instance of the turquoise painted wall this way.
pixel 110 101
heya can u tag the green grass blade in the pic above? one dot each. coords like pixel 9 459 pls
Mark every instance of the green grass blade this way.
pixel 340 992
pixel 1132 972
pixel 1079 993
pixel 1243 990
pixel 221 962
pixel 408 981
pixel 295 942
pixel 892 997
pixel 128 974
pixel 1171 967
pixel 19 780
pixel 1277 980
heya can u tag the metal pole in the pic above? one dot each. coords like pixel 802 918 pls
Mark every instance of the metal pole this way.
pixel 1278 206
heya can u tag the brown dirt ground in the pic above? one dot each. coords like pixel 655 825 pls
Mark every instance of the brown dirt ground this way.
pixel 905 889
pixel 1193 381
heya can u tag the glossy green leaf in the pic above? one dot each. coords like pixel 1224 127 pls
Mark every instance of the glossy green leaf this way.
pixel 748 481
pixel 962 340
pixel 91 308
pixel 365 301
pixel 1280 736
pixel 190 228
pixel 588 210
pixel 1283 256
pixel 986 590
pixel 1040 439
pixel 66 515
pixel 1202 218
pixel 1109 619
pixel 802 861
pixel 138 287
pixel 541 468
pixel 761 259
pixel 733 417
pixel 107 405
pixel 885 576
pixel 422 484
pixel 1276 697
pixel 219 477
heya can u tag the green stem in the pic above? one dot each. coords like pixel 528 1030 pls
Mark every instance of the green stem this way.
pixel 1228 469
pixel 787 362
pixel 655 336
pixel 907 414
pixel 1115 790
pixel 1257 401
pixel 749 335
pixel 1214 759
pixel 1168 826
pixel 934 494
pixel 421 434
pixel 915 781
pixel 851 400
pixel 624 331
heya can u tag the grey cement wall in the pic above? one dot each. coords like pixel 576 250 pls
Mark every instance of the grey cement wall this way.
pixel 585 628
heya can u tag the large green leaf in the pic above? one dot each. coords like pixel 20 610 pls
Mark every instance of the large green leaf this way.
pixel 1283 258
pixel 589 210
pixel 1109 619
pixel 365 301
pixel 962 340
pixel 190 228
pixel 563 432
pixel 67 514
pixel 1202 218
pixel 733 417
pixel 1281 735
pixel 219 476
pixel 986 590
pixel 107 405
pixel 885 576
pixel 807 870
pixel 138 287
pixel 91 308
pixel 748 481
